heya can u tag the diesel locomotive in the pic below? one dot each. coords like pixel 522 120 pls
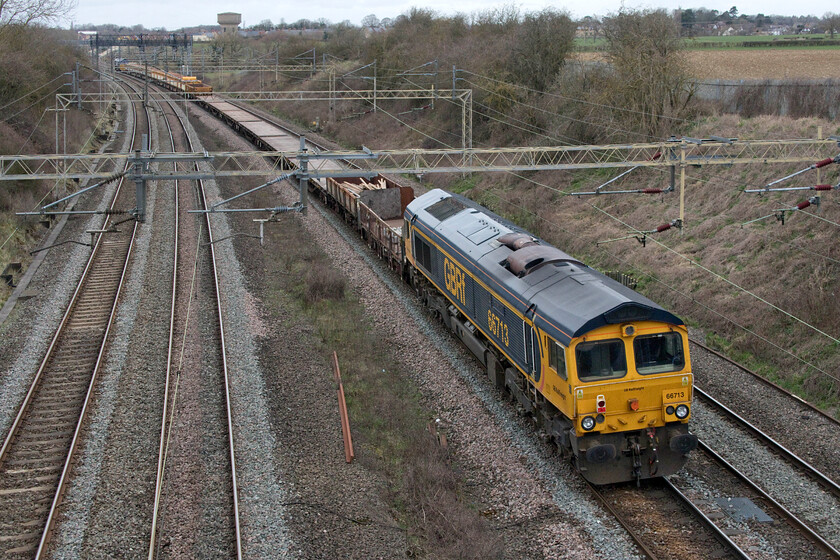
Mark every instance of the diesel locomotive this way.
pixel 604 371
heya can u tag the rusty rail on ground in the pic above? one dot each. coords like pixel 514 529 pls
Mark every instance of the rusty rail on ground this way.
pixel 349 455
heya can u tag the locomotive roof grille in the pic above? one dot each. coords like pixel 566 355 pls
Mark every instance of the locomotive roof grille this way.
pixel 446 208
pixel 627 313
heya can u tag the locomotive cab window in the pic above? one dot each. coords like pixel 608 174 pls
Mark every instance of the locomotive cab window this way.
pixel 601 360
pixel 557 358
pixel 659 353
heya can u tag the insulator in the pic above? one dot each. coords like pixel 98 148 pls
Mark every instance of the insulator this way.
pixel 652 191
pixel 823 187
pixel 824 162
pixel 663 227
pixel 804 204
pixel 656 156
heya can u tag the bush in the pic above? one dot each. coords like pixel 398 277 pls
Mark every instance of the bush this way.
pixel 323 283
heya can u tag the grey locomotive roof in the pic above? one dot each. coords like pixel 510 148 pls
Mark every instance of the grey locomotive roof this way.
pixel 567 298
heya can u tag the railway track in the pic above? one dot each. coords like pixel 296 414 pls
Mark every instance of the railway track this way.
pixel 731 507
pixel 816 494
pixel 38 451
pixel 664 523
pixel 770 408
pixel 178 461
pixel 767 383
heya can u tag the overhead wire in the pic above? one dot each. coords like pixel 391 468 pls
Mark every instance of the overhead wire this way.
pixel 535 127
pixel 819 218
pixel 720 277
pixel 21 98
pixel 39 100
pixel 582 101
pixel 34 128
pixel 766 236
pixel 675 290
pixel 568 139
pixel 401 121
pixel 560 116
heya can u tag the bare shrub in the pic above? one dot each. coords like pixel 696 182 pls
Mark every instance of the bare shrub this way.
pixel 650 79
pixel 542 45
pixel 323 282
pixel 450 528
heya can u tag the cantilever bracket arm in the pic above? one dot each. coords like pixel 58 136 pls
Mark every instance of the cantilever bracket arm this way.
pixel 282 177
pixel 113 177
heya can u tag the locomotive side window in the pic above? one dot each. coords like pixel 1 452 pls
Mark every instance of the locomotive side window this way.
pixel 423 253
pixel 601 360
pixel 659 353
pixel 557 359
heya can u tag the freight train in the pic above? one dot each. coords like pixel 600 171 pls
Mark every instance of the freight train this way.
pixel 170 80
pixel 603 371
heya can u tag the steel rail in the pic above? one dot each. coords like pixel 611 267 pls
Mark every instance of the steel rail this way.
pixel 790 517
pixel 162 447
pixel 37 380
pixel 226 371
pixel 809 469
pixel 42 546
pixel 76 435
pixel 767 382
pixel 621 521
pixel 722 537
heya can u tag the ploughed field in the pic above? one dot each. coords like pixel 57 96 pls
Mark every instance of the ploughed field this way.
pixel 771 63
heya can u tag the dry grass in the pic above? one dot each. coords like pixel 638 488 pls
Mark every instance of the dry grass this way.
pixel 389 420
pixel 323 283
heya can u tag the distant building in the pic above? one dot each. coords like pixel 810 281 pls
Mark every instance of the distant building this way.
pixel 229 21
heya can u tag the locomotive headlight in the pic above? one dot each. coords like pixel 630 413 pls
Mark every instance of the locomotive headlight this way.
pixel 587 423
pixel 681 411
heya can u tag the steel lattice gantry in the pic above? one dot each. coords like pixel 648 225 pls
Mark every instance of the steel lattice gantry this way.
pixel 674 154
pixel 679 153
pixel 141 40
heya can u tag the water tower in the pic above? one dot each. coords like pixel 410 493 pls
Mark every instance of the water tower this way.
pixel 229 21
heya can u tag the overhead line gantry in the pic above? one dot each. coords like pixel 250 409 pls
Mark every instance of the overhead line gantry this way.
pixel 676 154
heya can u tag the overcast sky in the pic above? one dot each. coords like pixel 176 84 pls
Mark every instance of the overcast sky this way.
pixel 174 15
